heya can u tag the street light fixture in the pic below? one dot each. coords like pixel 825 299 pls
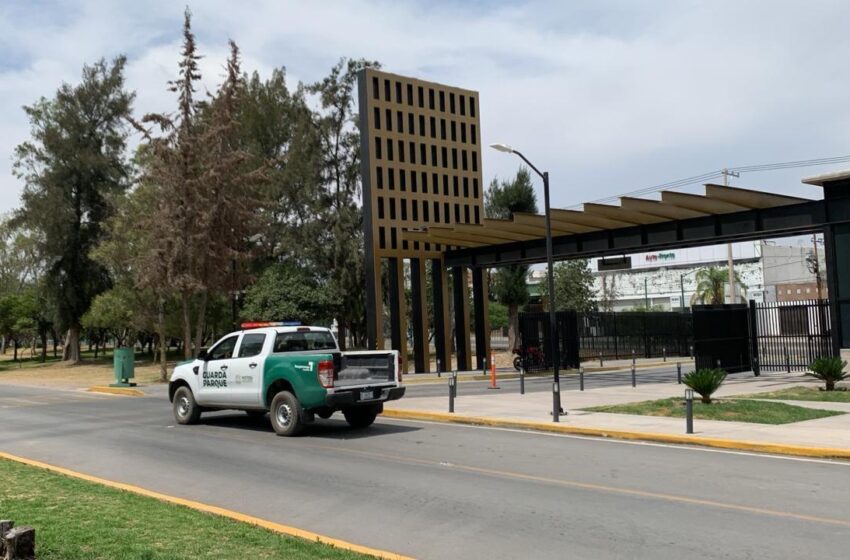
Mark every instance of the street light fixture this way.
pixel 553 322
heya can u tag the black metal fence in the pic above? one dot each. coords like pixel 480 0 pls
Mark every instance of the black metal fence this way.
pixel 646 334
pixel 588 335
pixel 722 337
pixel 789 336
pixel 536 345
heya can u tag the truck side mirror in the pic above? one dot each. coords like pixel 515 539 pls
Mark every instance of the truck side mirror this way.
pixel 202 355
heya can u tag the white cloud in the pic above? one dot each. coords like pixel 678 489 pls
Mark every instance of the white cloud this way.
pixel 608 96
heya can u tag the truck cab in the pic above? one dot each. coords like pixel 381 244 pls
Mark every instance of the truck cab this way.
pixel 293 372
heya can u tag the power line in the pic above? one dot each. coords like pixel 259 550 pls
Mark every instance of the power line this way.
pixel 699 179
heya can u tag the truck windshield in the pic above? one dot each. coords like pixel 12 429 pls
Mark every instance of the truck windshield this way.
pixel 304 341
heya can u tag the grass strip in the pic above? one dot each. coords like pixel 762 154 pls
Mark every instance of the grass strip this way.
pixel 80 520
pixel 804 394
pixel 755 411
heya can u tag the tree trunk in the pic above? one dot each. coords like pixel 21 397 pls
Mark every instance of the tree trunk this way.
pixel 201 322
pixel 15 355
pixel 43 346
pixel 341 335
pixel 830 385
pixel 71 351
pixel 513 326
pixel 3 345
pixel 187 327
pixel 160 325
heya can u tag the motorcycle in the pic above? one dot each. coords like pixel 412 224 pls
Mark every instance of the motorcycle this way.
pixel 532 357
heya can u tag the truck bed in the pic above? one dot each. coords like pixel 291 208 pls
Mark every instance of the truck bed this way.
pixel 365 368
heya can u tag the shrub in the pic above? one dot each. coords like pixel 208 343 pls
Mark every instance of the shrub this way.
pixel 830 370
pixel 705 382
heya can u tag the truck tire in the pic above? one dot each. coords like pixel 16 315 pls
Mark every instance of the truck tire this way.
pixel 360 416
pixel 285 414
pixel 186 410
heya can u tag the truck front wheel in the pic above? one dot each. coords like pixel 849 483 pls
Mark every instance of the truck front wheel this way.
pixel 360 416
pixel 186 410
pixel 285 414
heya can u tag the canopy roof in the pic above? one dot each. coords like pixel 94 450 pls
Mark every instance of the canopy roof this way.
pixel 718 199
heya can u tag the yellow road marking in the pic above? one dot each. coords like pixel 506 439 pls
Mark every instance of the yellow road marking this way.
pixel 758 447
pixel 127 391
pixel 215 510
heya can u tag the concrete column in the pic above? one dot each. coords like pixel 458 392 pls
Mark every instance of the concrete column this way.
pixel 419 315
pixel 374 304
pixel 442 321
pixel 460 289
pixel 398 309
pixel 480 301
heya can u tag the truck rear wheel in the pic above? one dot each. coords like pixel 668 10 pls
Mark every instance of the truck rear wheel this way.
pixel 186 410
pixel 285 414
pixel 360 416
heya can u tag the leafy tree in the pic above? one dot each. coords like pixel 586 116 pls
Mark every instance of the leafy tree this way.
pixel 498 316
pixel 573 286
pixel 609 293
pixel 115 312
pixel 72 165
pixel 830 370
pixel 20 262
pixel 711 285
pixel 207 200
pixel 339 229
pixel 509 284
pixel 286 291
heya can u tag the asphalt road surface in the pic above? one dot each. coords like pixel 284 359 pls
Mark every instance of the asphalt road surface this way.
pixel 441 491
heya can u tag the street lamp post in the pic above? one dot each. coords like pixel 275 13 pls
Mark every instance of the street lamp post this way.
pixel 553 321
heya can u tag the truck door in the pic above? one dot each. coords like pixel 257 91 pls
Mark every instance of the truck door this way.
pixel 246 370
pixel 216 380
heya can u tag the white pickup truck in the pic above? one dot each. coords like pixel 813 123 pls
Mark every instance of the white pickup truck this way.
pixel 293 372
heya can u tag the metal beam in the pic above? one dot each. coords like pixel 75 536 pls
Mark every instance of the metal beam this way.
pixel 557 226
pixel 580 218
pixel 621 214
pixel 658 208
pixel 750 198
pixel 700 203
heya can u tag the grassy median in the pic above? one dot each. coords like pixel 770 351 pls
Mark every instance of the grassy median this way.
pixel 755 411
pixel 805 394
pixel 75 519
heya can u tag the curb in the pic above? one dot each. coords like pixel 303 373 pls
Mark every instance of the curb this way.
pixel 757 447
pixel 214 510
pixel 126 391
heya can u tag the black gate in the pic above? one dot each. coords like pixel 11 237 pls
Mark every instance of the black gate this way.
pixel 647 334
pixel 791 335
pixel 536 344
pixel 722 337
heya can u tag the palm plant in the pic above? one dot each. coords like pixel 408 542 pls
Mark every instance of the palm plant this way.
pixel 711 285
pixel 705 382
pixel 829 370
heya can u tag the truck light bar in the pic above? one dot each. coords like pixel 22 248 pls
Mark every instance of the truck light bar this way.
pixel 262 324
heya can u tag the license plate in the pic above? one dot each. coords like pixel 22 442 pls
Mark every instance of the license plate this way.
pixel 367 395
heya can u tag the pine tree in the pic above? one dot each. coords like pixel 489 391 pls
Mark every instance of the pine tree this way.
pixel 72 167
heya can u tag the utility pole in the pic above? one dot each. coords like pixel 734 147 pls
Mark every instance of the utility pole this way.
pixel 730 262
pixel 817 266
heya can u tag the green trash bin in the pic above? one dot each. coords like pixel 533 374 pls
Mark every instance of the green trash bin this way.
pixel 122 363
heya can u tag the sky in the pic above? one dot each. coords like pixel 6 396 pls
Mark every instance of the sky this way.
pixel 608 96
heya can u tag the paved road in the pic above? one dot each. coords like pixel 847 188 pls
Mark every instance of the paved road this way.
pixel 665 374
pixel 439 491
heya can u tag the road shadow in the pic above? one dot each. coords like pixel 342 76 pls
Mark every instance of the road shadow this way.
pixel 329 429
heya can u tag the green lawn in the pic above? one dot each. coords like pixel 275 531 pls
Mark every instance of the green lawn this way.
pixel 75 519
pixel 757 411
pixel 804 394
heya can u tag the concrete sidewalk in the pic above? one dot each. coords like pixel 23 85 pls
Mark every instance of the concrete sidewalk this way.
pixel 502 408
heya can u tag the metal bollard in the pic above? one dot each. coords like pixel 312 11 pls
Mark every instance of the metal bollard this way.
pixel 556 402
pixel 692 351
pixel 634 377
pixel 452 385
pixel 664 351
pixel 679 373
pixel 600 359
pixel 633 356
pixel 689 411
pixel 787 360
pixel 439 368
pixel 718 364
pixel 522 381
pixel 581 378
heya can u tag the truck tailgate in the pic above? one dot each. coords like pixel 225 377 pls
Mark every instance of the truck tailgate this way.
pixel 366 368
